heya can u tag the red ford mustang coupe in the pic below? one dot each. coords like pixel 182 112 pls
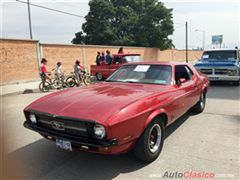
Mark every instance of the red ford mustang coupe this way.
pixel 130 110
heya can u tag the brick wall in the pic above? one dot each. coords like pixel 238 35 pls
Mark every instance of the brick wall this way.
pixel 19 58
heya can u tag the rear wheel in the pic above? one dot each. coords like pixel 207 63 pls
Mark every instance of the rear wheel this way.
pixel 99 76
pixel 44 88
pixel 150 143
pixel 71 82
pixel 200 105
pixel 57 84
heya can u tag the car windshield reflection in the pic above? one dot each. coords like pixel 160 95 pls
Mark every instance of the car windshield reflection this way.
pixel 144 73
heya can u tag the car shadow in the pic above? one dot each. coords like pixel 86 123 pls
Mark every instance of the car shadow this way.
pixel 43 160
pixel 176 124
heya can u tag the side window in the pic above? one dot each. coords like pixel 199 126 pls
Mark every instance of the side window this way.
pixel 189 71
pixel 182 71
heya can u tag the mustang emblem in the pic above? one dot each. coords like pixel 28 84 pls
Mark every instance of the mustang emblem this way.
pixel 58 125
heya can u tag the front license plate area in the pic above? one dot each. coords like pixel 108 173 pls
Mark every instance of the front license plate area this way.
pixel 63 144
pixel 213 78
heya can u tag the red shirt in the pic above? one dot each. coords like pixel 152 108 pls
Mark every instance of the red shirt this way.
pixel 43 68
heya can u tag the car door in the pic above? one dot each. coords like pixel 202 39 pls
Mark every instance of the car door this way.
pixel 186 91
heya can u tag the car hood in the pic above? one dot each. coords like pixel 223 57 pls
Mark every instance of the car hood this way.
pixel 216 63
pixel 96 102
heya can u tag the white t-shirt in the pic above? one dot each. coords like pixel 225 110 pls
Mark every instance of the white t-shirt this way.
pixel 58 69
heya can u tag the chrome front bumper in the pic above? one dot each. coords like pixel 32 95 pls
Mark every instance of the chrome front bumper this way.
pixel 223 78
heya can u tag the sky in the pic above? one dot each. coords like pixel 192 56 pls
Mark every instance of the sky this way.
pixel 209 17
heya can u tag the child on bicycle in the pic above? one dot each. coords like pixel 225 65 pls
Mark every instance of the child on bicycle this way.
pixel 78 70
pixel 58 70
pixel 43 71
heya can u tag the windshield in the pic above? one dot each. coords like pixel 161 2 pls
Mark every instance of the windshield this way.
pixel 133 58
pixel 220 55
pixel 146 74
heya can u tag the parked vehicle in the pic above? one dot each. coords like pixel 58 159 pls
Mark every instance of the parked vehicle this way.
pixel 221 65
pixel 104 71
pixel 130 110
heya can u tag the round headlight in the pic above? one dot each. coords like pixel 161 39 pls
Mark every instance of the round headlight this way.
pixel 33 118
pixel 99 131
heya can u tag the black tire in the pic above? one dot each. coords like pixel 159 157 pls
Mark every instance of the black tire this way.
pixel 45 88
pixel 71 82
pixel 99 76
pixel 87 80
pixel 236 83
pixel 143 148
pixel 200 105
pixel 57 84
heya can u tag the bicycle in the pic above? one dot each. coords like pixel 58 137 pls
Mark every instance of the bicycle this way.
pixel 60 82
pixel 84 79
pixel 45 87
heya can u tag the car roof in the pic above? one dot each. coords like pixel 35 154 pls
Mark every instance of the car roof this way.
pixel 172 63
pixel 221 49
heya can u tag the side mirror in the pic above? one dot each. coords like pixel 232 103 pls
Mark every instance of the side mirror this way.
pixel 180 81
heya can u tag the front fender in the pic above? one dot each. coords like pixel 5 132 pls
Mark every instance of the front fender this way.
pixel 154 114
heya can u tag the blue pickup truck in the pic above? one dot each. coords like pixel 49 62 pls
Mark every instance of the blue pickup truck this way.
pixel 221 65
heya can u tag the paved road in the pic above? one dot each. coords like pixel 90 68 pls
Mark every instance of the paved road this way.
pixel 209 142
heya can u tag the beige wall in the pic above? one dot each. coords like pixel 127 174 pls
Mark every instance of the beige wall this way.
pixel 19 58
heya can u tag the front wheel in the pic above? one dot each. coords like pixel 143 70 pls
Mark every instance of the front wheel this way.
pixel 150 143
pixel 87 79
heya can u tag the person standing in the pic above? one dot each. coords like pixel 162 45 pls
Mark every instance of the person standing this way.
pixel 102 58
pixel 120 51
pixel 78 70
pixel 108 58
pixel 43 71
pixel 98 58
pixel 58 70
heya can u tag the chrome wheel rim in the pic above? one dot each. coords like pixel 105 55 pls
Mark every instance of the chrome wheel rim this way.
pixel 154 138
pixel 99 76
pixel 202 101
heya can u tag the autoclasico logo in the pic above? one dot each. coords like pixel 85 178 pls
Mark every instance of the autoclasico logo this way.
pixel 187 175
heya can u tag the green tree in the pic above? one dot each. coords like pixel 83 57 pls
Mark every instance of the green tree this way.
pixel 127 23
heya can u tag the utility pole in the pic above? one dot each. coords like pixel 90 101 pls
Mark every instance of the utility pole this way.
pixel 186 42
pixel 29 19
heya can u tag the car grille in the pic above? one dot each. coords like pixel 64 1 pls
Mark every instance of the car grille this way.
pixel 206 71
pixel 68 126
pixel 221 71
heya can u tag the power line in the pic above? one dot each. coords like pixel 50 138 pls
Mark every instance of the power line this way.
pixel 67 4
pixel 51 9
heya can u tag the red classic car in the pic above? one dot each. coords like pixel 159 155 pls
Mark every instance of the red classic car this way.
pixel 105 70
pixel 130 110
